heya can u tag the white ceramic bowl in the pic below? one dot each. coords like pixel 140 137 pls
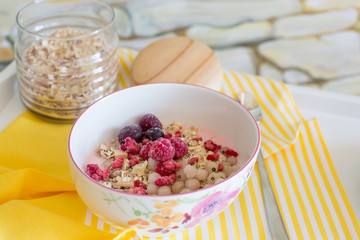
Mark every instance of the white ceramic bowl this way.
pixel 188 104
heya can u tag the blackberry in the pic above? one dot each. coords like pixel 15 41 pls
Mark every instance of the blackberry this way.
pixel 154 133
pixel 149 121
pixel 132 130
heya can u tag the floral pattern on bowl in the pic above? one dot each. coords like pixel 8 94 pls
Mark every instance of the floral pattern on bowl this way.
pixel 153 217
pixel 210 206
pixel 156 217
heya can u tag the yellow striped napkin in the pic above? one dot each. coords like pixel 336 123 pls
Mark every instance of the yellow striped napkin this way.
pixel 38 200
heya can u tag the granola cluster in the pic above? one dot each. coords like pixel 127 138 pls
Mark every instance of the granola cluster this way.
pixel 178 162
pixel 66 71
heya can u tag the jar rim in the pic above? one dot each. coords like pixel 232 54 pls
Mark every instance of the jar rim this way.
pixel 89 34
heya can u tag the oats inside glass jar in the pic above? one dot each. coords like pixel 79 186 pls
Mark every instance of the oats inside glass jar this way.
pixel 64 72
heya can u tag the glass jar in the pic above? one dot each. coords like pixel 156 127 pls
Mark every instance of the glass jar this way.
pixel 66 56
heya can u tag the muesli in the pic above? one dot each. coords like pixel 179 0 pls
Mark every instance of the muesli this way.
pixel 64 72
pixel 149 158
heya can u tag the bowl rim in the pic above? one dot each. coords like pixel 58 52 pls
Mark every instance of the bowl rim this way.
pixel 257 149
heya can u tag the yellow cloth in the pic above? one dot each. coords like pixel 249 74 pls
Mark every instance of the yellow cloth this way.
pixel 38 199
pixel 37 196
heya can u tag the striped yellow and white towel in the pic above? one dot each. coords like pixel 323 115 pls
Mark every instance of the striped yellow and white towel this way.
pixel 38 199
pixel 311 198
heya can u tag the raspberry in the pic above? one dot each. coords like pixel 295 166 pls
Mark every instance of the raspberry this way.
pixel 168 135
pixel 164 181
pixel 167 168
pixel 178 134
pixel 220 167
pixel 193 160
pixel 168 165
pixel 181 148
pixel 178 165
pixel 211 146
pixel 145 141
pixel 131 145
pixel 171 165
pixel 91 169
pixel 173 177
pixel 144 151
pixel 137 190
pixel 117 163
pixel 231 152
pixel 96 173
pixel 149 121
pixel 106 173
pixel 123 148
pixel 197 139
pixel 96 177
pixel 162 150
pixel 134 160
pixel 160 169
pixel 137 183
pixel 213 157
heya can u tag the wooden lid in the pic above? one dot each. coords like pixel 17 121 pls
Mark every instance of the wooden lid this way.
pixel 177 59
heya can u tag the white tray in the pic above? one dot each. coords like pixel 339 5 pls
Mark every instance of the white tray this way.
pixel 338 116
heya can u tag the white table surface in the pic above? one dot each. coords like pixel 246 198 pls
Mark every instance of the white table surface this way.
pixel 338 116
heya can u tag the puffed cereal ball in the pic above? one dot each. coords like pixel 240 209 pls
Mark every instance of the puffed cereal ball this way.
pixel 190 171
pixel 183 163
pixel 177 186
pixel 221 174
pixel 222 158
pixel 152 164
pixel 228 170
pixel 218 180
pixel 225 163
pixel 192 184
pixel 180 175
pixel 152 189
pixel 207 185
pixel 153 176
pixel 212 177
pixel 211 167
pixel 164 190
pixel 232 160
pixel 201 174
pixel 185 190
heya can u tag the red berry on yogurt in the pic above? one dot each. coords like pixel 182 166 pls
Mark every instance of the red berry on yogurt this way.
pixel 144 151
pixel 117 163
pixel 131 146
pixel 181 148
pixel 164 181
pixel 162 150
pixel 220 167
pixel 231 152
